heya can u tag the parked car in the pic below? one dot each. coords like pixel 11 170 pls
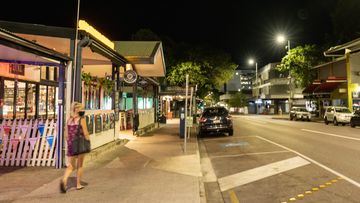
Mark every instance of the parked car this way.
pixel 298 113
pixel 215 119
pixel 355 119
pixel 337 114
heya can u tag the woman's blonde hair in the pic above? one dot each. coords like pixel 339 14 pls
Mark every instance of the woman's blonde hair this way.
pixel 74 106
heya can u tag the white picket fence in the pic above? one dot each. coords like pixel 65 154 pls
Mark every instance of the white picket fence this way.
pixel 28 143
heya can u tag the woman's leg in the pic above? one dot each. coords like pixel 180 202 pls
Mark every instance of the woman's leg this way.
pixel 80 164
pixel 70 167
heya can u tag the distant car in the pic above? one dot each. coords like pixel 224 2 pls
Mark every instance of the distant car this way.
pixel 300 113
pixel 337 114
pixel 355 119
pixel 215 119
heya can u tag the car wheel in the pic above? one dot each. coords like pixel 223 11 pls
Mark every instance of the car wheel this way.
pixel 335 122
pixel 308 119
pixel 231 132
pixel 295 118
pixel 352 124
pixel 291 118
pixel 343 124
pixel 326 121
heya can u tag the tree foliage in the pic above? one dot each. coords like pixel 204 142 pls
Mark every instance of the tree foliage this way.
pixel 299 62
pixel 238 100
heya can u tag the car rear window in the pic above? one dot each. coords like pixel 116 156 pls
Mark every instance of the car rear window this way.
pixel 343 110
pixel 215 112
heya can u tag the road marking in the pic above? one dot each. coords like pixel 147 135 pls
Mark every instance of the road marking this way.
pixel 226 138
pixel 249 154
pixel 233 197
pixel 333 135
pixel 259 173
pixel 340 175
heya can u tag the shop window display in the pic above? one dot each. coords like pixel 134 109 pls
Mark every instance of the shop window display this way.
pixel 42 101
pixel 51 102
pixel 31 99
pixel 8 99
pixel 20 100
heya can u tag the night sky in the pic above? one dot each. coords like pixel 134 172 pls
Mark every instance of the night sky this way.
pixel 241 28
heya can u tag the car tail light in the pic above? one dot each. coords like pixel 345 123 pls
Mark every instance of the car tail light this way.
pixel 202 120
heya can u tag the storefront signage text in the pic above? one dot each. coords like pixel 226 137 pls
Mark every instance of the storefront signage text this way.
pixel 17 69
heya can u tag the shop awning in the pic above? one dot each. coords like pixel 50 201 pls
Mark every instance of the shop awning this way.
pixel 15 49
pixel 340 50
pixel 329 86
pixel 146 56
pixel 310 89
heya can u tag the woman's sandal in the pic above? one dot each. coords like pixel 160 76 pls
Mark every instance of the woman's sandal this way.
pixel 79 188
pixel 62 187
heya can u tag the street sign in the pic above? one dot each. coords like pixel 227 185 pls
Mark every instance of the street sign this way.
pixel 130 76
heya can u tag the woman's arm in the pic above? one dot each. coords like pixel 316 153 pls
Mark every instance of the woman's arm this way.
pixel 85 130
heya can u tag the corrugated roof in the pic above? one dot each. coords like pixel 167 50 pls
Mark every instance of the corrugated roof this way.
pixel 137 48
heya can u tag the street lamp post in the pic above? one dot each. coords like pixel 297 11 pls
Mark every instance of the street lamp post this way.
pixel 252 62
pixel 281 39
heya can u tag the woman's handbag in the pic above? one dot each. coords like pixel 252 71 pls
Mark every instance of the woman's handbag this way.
pixel 80 145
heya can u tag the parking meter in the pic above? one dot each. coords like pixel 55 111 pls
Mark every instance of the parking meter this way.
pixel 182 122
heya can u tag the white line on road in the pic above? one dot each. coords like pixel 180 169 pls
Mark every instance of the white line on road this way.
pixel 314 162
pixel 330 134
pixel 261 172
pixel 249 154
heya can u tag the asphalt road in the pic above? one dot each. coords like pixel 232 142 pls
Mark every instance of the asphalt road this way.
pixel 274 160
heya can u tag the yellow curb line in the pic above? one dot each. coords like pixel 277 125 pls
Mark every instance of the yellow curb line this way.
pixel 233 197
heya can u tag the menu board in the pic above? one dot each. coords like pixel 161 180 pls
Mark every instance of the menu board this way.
pixel 98 124
pixel 90 123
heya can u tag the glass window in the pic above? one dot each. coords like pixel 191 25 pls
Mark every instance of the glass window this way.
pixel 51 73
pixel 31 98
pixel 42 101
pixel 51 102
pixel 20 100
pixel 43 72
pixel 8 99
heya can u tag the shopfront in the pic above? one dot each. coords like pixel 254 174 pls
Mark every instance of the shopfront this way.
pixel 30 92
pixel 31 102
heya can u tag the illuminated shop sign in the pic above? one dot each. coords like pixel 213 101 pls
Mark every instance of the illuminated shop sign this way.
pixel 83 25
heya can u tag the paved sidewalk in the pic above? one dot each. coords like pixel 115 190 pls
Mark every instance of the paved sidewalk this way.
pixel 151 168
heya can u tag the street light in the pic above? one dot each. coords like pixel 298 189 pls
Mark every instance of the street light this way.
pixel 252 62
pixel 281 39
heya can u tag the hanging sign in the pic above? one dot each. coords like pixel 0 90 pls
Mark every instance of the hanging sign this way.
pixel 7 130
pixel 24 129
pixel 41 129
pixel 50 139
pixel 14 142
pixel 130 76
pixel 17 69
pixel 32 142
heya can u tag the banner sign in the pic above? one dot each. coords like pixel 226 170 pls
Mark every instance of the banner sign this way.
pixel 24 129
pixel 14 142
pixel 50 139
pixel 17 69
pixel 41 128
pixel 32 142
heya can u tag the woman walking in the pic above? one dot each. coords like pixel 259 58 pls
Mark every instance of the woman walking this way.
pixel 76 124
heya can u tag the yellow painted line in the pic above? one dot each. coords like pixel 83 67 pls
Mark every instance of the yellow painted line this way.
pixel 322 186
pixel 315 189
pixel 233 197
pixel 328 183
pixel 334 181
pixel 308 192
pixel 340 178
pixel 300 196
pixel 292 199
